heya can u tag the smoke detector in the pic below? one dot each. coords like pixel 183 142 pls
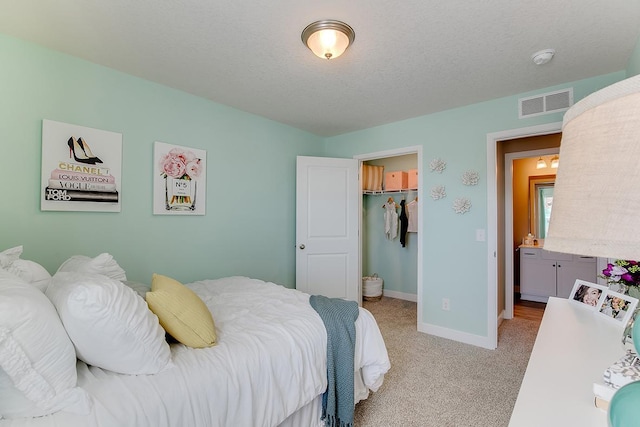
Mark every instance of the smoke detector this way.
pixel 543 56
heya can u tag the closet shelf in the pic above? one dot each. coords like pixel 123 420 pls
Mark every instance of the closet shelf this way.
pixel 373 192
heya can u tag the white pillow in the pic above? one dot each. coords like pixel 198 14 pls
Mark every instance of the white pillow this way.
pixel 108 324
pixel 29 271
pixel 102 264
pixel 140 288
pixel 37 359
pixel 10 255
pixel 5 275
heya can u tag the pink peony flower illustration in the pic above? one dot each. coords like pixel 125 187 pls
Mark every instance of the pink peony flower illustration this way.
pixel 194 168
pixel 179 164
pixel 172 166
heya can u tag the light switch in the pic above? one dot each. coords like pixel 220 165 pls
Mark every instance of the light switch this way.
pixel 480 237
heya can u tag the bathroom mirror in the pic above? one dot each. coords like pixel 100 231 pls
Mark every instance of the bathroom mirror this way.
pixel 540 203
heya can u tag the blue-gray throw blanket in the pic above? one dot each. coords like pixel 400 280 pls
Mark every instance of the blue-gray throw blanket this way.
pixel 339 317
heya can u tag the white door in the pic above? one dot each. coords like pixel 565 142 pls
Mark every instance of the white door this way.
pixel 327 244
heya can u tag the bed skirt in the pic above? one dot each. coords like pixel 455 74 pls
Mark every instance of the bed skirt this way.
pixel 307 416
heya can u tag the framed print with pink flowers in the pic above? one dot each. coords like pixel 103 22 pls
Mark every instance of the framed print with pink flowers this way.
pixel 179 180
pixel 81 168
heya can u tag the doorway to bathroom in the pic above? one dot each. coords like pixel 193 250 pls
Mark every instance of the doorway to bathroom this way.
pixel 517 161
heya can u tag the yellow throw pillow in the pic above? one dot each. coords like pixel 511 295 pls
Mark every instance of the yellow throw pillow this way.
pixel 181 312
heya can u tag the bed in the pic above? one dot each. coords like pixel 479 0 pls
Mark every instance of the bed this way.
pixel 268 366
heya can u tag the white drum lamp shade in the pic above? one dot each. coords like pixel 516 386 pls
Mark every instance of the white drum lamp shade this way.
pixel 596 203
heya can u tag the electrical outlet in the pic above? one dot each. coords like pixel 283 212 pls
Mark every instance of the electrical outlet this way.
pixel 445 304
pixel 480 235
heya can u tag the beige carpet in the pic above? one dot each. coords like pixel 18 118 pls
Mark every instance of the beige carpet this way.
pixel 438 382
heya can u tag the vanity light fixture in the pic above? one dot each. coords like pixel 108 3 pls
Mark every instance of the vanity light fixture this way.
pixel 328 39
pixel 541 163
pixel 555 161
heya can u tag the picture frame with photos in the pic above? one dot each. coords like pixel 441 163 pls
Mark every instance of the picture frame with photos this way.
pixel 616 307
pixel 587 294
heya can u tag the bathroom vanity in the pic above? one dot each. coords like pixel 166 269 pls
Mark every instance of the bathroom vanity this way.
pixel 545 274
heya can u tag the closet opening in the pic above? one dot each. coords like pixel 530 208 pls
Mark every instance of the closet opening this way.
pixel 390 243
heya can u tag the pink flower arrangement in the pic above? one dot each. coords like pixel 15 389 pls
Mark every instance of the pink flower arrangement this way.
pixel 624 273
pixel 180 164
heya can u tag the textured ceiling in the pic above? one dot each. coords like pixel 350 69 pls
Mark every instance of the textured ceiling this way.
pixel 409 58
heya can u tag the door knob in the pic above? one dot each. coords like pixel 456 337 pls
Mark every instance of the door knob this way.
pixel 302 246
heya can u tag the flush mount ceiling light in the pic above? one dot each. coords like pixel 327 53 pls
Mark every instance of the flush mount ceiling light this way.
pixel 543 56
pixel 328 39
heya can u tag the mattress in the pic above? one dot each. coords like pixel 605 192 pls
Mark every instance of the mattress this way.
pixel 269 363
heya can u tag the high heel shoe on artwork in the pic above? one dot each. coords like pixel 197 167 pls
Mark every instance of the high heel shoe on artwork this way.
pixel 77 153
pixel 85 147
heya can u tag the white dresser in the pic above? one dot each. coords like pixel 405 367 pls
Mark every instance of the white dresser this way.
pixel 573 348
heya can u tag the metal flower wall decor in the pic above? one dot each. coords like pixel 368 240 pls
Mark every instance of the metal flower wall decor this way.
pixel 461 205
pixel 470 178
pixel 438 192
pixel 437 165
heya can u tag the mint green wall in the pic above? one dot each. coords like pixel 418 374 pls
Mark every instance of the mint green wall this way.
pixel 454 263
pixel 633 66
pixel 249 226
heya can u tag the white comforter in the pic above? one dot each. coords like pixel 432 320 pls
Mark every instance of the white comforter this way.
pixel 269 362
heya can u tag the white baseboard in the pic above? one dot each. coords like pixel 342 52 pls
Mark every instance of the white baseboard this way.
pixel 439 331
pixel 454 335
pixel 400 295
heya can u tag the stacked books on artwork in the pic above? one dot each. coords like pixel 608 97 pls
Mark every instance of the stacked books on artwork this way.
pixel 622 372
pixel 81 182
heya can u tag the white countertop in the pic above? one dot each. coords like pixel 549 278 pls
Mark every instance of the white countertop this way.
pixel 523 246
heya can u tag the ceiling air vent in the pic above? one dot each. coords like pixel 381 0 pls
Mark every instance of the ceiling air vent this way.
pixel 546 103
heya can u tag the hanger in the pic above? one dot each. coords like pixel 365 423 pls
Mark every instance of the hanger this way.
pixel 389 200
